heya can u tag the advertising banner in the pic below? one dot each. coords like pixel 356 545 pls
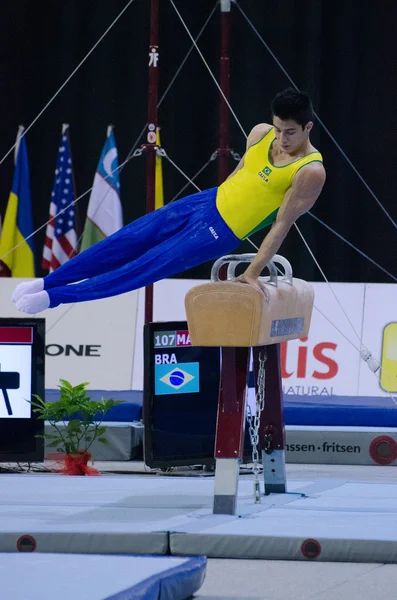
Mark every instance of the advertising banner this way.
pixel 380 336
pixel 326 363
pixel 86 342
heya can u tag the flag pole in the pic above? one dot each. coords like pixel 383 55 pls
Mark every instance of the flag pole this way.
pixel 150 145
pixel 65 130
pixel 224 150
pixel 21 129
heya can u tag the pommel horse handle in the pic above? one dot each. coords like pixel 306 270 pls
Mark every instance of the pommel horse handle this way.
pixel 237 317
pixel 235 259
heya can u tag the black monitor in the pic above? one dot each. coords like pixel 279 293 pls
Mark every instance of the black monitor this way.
pixel 22 356
pixel 180 401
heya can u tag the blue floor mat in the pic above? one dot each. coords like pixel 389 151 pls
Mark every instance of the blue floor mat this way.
pixel 100 577
pixel 357 411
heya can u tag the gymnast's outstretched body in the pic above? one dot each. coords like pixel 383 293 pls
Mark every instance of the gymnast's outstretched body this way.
pixel 278 179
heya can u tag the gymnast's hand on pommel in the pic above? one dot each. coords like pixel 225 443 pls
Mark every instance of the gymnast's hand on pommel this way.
pixel 301 196
pixel 250 280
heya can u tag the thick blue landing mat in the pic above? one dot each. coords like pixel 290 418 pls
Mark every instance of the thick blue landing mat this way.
pixel 356 411
pixel 99 577
pixel 127 412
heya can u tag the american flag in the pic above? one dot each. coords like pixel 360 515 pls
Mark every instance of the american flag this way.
pixel 61 242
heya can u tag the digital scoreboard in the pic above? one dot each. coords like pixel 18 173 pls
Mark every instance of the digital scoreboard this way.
pixel 181 387
pixel 22 347
pixel 180 402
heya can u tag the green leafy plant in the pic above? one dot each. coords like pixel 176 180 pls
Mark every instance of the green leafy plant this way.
pixel 81 430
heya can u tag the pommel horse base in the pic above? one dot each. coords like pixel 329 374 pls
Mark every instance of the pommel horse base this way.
pixel 238 317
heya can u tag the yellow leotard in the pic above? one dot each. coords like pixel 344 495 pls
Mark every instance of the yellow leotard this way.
pixel 250 199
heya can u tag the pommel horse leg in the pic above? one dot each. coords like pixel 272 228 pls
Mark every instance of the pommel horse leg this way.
pixel 236 317
pixel 271 428
pixel 229 440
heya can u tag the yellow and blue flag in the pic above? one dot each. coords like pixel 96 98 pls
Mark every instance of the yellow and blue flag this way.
pixel 16 251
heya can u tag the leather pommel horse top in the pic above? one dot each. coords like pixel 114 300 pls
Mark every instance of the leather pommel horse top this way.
pixel 231 313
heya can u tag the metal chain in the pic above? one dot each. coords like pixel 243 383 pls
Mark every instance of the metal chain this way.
pixel 254 422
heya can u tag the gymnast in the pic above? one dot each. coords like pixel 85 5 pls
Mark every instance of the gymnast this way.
pixel 278 179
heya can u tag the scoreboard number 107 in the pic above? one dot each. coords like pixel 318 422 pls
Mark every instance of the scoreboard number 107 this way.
pixel 171 339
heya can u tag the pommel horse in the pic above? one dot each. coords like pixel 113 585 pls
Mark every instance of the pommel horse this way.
pixel 237 317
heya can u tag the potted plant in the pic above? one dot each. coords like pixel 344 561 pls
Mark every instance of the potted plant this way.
pixel 82 420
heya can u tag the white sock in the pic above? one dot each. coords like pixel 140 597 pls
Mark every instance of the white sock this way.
pixel 33 303
pixel 27 287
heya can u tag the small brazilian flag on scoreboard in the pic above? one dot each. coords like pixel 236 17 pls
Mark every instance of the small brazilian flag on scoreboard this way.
pixel 182 378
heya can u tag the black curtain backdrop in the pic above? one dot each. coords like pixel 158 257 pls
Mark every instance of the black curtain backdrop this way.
pixel 343 54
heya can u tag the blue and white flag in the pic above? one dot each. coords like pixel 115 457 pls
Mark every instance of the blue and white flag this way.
pixel 104 214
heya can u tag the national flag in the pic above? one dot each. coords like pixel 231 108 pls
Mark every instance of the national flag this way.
pixel 159 190
pixel 104 213
pixel 16 250
pixel 61 242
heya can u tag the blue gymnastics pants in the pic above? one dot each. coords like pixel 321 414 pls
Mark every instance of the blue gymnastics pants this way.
pixel 172 239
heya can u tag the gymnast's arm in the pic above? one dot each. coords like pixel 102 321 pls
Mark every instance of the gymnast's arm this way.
pixel 255 135
pixel 301 196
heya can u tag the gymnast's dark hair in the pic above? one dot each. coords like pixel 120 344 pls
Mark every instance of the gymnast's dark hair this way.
pixel 294 105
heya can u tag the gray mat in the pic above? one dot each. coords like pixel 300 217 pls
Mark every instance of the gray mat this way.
pixel 349 521
pixel 344 522
pixel 333 445
pixel 124 441
pixel 81 577
pixel 304 444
